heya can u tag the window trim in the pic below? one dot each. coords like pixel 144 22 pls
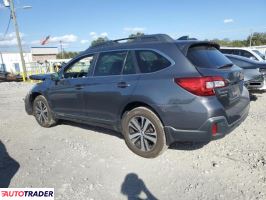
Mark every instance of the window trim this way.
pixel 135 63
pixel 138 72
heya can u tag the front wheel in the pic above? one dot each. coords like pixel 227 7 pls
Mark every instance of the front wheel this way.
pixel 143 132
pixel 42 112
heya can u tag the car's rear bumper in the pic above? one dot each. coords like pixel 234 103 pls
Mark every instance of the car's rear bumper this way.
pixel 204 133
pixel 257 84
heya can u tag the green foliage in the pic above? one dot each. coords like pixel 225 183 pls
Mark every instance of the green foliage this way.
pixel 67 55
pixel 257 39
pixel 136 34
pixel 98 41
pixel 133 35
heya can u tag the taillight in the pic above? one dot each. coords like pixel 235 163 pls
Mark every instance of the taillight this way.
pixel 201 86
pixel 214 129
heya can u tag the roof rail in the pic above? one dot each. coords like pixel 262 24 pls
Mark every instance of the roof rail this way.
pixel 142 38
pixel 186 37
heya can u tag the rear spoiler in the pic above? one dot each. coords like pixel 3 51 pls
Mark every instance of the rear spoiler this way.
pixel 185 45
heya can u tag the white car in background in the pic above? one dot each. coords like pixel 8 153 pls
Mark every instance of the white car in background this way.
pixel 251 53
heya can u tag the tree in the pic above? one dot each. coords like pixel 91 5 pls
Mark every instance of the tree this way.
pixel 138 34
pixel 257 39
pixel 98 41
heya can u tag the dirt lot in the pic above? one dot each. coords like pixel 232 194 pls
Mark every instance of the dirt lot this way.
pixel 84 162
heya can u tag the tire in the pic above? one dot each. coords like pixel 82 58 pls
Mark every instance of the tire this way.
pixel 42 112
pixel 143 132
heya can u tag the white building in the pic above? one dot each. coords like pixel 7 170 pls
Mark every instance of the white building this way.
pixel 12 61
pixel 42 54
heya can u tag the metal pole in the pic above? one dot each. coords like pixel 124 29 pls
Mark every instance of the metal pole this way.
pixel 61 47
pixel 250 39
pixel 24 74
pixel 2 62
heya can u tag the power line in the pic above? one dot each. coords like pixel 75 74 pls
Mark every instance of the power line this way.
pixel 7 28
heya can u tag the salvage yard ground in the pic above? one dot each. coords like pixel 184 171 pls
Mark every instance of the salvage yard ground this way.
pixel 85 162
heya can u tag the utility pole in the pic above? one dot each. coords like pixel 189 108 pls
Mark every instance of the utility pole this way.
pixel 61 47
pixel 1 56
pixel 250 38
pixel 2 62
pixel 13 14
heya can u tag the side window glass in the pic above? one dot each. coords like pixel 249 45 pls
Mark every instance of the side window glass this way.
pixel 150 61
pixel 236 52
pixel 79 69
pixel 129 67
pixel 226 51
pixel 110 63
pixel 247 54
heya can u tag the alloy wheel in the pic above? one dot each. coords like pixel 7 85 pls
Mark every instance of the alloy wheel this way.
pixel 142 133
pixel 41 112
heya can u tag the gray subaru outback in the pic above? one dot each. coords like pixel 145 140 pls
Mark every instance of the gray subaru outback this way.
pixel 153 89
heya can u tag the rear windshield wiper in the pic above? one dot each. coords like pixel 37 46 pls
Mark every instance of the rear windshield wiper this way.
pixel 226 66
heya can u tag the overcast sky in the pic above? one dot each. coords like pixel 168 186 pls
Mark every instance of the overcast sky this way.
pixel 77 22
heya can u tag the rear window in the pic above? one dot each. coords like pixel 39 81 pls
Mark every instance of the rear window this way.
pixel 207 57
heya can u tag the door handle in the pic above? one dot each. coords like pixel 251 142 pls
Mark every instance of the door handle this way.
pixel 79 87
pixel 123 84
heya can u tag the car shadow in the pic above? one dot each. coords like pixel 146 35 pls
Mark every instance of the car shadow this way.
pixel 92 128
pixel 257 91
pixel 254 94
pixel 133 188
pixel 8 167
pixel 187 146
pixel 253 97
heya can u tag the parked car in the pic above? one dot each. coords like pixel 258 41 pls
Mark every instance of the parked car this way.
pixel 250 53
pixel 7 76
pixel 254 71
pixel 153 89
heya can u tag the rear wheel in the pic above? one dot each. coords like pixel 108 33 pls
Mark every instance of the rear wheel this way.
pixel 143 132
pixel 42 112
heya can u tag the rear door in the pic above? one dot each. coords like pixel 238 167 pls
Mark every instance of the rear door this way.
pixel 211 62
pixel 109 88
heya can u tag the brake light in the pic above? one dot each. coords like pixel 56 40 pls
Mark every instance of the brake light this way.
pixel 201 86
pixel 214 129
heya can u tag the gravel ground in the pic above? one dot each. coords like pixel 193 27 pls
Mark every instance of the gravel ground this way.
pixel 85 162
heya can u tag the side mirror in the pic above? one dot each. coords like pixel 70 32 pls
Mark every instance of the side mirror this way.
pixel 55 77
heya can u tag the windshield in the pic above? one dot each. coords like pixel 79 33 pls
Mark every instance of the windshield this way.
pixel 259 53
pixel 207 57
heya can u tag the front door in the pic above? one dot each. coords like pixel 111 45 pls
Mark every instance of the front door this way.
pixel 67 95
